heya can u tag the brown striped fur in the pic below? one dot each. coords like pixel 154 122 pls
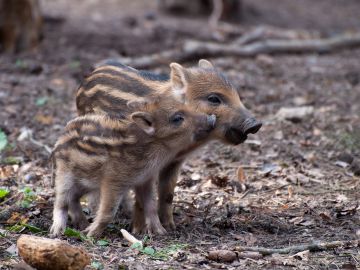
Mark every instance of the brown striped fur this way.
pixel 102 154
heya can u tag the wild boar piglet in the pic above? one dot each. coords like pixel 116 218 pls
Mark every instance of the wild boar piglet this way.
pixel 204 87
pixel 99 152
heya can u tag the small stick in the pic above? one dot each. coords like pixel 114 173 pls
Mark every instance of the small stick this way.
pixel 245 194
pixel 132 239
pixel 298 248
pixel 37 143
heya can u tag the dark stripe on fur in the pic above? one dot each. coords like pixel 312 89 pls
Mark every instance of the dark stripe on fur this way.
pixel 131 85
pixel 147 75
pixel 116 104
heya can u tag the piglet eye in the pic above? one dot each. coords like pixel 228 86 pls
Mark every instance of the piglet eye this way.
pixel 214 100
pixel 177 119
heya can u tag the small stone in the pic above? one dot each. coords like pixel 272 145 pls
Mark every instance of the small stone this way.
pixel 300 101
pixel 30 177
pixel 341 164
pixel 346 157
pixel 195 177
pixel 12 250
pixel 279 135
pixel 35 69
pixel 296 114
pixel 130 22
pixel 150 16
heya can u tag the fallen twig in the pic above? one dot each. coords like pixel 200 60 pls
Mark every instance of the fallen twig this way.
pixel 37 143
pixel 294 249
pixel 26 134
pixel 262 32
pixel 196 49
pixel 273 46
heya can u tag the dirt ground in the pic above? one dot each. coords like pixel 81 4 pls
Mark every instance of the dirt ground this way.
pixel 289 184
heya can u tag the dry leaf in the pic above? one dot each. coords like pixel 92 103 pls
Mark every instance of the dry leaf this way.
pixel 44 119
pixel 6 172
pixel 241 175
pixel 220 180
pixel 290 191
pixel 16 218
pixel 302 255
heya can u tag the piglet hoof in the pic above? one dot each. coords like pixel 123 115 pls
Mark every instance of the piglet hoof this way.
pixel 138 223
pixel 93 231
pixel 157 229
pixel 170 226
pixel 81 224
pixel 167 220
pixel 152 229
pixel 138 229
pixel 55 231
pixel 53 235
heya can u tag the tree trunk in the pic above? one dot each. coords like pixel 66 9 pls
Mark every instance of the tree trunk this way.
pixel 230 9
pixel 20 25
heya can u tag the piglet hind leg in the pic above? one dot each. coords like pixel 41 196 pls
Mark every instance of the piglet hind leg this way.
pixel 78 219
pixel 138 224
pixel 110 198
pixel 93 200
pixel 145 195
pixel 167 183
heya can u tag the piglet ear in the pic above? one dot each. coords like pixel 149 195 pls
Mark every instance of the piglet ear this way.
pixel 144 121
pixel 178 81
pixel 205 64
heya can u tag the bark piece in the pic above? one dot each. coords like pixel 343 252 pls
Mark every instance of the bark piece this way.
pixel 51 254
pixel 222 255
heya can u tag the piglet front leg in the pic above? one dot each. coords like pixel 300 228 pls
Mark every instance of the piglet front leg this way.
pixel 110 198
pixel 145 196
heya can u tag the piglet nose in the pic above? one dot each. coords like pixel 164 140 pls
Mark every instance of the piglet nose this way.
pixel 211 120
pixel 252 126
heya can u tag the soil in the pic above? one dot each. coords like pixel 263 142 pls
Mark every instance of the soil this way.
pixel 294 182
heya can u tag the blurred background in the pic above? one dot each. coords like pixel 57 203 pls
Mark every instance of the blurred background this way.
pixel 295 63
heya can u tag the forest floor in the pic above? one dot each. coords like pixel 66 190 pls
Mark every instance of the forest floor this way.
pixel 292 183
